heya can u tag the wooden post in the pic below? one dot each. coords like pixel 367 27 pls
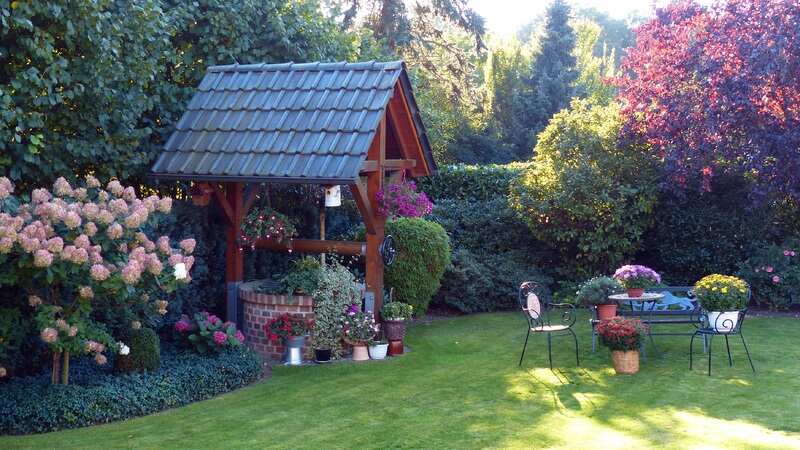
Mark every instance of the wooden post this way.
pixel 374 263
pixel 234 256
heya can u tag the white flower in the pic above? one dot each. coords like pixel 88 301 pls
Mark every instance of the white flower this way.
pixel 123 349
pixel 180 271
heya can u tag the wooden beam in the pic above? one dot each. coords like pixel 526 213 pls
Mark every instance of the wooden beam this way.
pixel 408 135
pixel 364 206
pixel 350 248
pixel 222 199
pixel 233 203
pixel 389 164
pixel 374 263
pixel 252 195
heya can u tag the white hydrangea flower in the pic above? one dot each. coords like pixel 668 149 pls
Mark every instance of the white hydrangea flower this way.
pixel 123 349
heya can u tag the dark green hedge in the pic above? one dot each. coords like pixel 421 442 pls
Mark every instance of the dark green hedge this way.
pixel 30 405
pixel 471 183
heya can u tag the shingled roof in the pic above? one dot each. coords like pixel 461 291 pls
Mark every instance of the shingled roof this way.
pixel 311 122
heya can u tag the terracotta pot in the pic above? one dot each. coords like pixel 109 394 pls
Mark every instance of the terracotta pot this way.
pixel 635 292
pixel 607 311
pixel 395 348
pixel 395 329
pixel 625 362
pixel 360 352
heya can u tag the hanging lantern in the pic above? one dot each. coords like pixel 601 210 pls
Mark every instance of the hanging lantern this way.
pixel 333 195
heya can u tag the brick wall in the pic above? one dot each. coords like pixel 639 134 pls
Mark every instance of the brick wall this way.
pixel 259 308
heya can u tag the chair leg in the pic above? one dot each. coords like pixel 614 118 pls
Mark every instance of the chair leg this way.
pixel 577 358
pixel 550 350
pixel 705 343
pixel 594 338
pixel 728 347
pixel 710 341
pixel 748 353
pixel 691 348
pixel 524 347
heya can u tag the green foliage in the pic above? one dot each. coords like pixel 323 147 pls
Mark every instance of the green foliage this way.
pixel 471 183
pixel 773 273
pixel 13 330
pixel 507 66
pixel 422 257
pixel 587 196
pixel 397 311
pixel 208 334
pixel 595 291
pixel 593 70
pixel 303 277
pixel 145 352
pixel 96 395
pixel 337 289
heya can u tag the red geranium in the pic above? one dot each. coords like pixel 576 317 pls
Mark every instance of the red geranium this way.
pixel 284 326
pixel 620 333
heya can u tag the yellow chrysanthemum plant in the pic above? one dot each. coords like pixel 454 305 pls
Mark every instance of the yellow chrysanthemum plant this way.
pixel 721 293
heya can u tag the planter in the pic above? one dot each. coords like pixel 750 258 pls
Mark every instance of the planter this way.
pixel 378 351
pixel 395 329
pixel 322 355
pixel 395 348
pixel 625 362
pixel 606 311
pixel 293 355
pixel 360 352
pixel 635 292
pixel 723 321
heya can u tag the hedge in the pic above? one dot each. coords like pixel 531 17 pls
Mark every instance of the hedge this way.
pixel 96 395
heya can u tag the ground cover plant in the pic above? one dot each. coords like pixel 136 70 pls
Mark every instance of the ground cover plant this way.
pixel 460 387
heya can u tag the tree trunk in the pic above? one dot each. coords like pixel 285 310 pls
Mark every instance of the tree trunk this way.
pixel 65 369
pixel 55 372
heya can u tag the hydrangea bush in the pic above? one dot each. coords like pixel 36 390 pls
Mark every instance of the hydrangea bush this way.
pixel 78 246
pixel 774 274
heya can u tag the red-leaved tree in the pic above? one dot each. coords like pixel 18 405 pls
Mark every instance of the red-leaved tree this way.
pixel 716 89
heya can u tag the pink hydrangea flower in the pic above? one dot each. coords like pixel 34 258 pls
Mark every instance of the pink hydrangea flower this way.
pixel 154 265
pixel 220 338
pixel 163 245
pixel 34 301
pixel 100 359
pixel 6 187
pixel 132 272
pixel 115 231
pixel 85 292
pixel 105 217
pixel 188 245
pixel 49 335
pixel 42 258
pixel 99 272
pixel 165 205
pixel 5 244
pixel 776 279
pixel 115 188
pixel 82 241
pixel 239 336
pixel 213 320
pixel 92 182
pixel 62 188
pixel 90 229
pixel 55 244
pixel 118 207
pixel 40 196
pixel 129 194
pixel 181 326
pixel 769 269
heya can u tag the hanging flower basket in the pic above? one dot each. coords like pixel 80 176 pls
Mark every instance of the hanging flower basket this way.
pixel 265 222
pixel 403 200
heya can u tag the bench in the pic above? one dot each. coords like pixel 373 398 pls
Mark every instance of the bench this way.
pixel 678 307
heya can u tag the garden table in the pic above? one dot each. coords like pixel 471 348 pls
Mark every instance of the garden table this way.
pixel 648 302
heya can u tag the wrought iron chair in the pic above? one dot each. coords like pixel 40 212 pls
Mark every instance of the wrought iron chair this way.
pixel 722 327
pixel 538 317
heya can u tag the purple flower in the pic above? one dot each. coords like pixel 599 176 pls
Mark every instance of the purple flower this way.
pixel 181 326
pixel 220 338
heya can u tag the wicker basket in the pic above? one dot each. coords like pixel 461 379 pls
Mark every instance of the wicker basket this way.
pixel 626 362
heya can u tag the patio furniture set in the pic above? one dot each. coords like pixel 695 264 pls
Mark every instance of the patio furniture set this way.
pixel 663 306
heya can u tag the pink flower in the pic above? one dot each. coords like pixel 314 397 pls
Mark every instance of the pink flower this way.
pixel 786 252
pixel 187 245
pixel 100 359
pixel 72 220
pixel 55 244
pixel 49 335
pixel 99 273
pixel 62 188
pixel 6 187
pixel 105 217
pixel 129 194
pixel 92 182
pixel 115 231
pixel 85 292
pixel 175 259
pixel 34 301
pixel 165 205
pixel 132 272
pixel 42 258
pixel 163 245
pixel 118 207
pixel 5 244
pixel 776 279
pixel 115 188
pixel 769 269
pixel 40 196
pixel 90 229
pixel 154 265
pixel 181 326
pixel 239 336
pixel 220 338
pixel 213 320
pixel 82 241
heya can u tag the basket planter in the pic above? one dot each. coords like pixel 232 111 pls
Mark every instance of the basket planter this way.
pixel 360 352
pixel 378 351
pixel 395 329
pixel 606 311
pixel 723 321
pixel 625 362
pixel 322 355
pixel 635 292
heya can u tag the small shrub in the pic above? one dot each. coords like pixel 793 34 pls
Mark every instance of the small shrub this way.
pixel 595 291
pixel 303 277
pixel 336 291
pixel 721 293
pixel 773 272
pixel 145 352
pixel 96 395
pixel 397 311
pixel 422 257
pixel 207 333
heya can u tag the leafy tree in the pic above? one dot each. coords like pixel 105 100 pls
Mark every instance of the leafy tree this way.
pixel 587 196
pixel 554 72
pixel 716 90
pixel 594 71
pixel 507 66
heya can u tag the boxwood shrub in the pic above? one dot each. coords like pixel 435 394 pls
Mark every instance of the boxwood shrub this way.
pixel 145 352
pixel 97 395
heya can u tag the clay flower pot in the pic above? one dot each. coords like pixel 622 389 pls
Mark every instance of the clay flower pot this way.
pixel 606 311
pixel 635 292
pixel 360 352
pixel 625 362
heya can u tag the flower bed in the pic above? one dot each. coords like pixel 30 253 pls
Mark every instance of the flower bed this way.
pixel 97 395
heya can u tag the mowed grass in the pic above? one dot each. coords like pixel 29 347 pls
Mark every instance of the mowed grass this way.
pixel 460 387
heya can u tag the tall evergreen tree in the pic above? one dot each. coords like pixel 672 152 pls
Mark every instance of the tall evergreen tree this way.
pixel 551 83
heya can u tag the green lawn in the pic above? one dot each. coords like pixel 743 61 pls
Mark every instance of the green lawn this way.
pixel 461 388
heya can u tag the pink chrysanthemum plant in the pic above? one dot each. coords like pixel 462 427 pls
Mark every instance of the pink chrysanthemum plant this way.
pixel 403 200
pixel 637 277
pixel 75 246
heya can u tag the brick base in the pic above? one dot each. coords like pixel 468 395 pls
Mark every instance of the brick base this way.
pixel 259 308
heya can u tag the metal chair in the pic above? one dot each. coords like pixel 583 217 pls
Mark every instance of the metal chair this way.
pixel 538 317
pixel 722 327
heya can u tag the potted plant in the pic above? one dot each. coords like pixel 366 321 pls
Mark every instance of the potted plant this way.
pixel 303 278
pixel 379 347
pixel 636 279
pixel 596 291
pixel 358 330
pixel 265 222
pixel 722 297
pixel 394 316
pixel 622 336
pixel 292 331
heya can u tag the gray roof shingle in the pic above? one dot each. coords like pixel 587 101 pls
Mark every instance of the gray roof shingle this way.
pixel 310 122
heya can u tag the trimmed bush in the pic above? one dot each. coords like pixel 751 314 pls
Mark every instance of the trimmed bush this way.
pixel 145 352
pixel 422 257
pixel 95 395
pixel 471 183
